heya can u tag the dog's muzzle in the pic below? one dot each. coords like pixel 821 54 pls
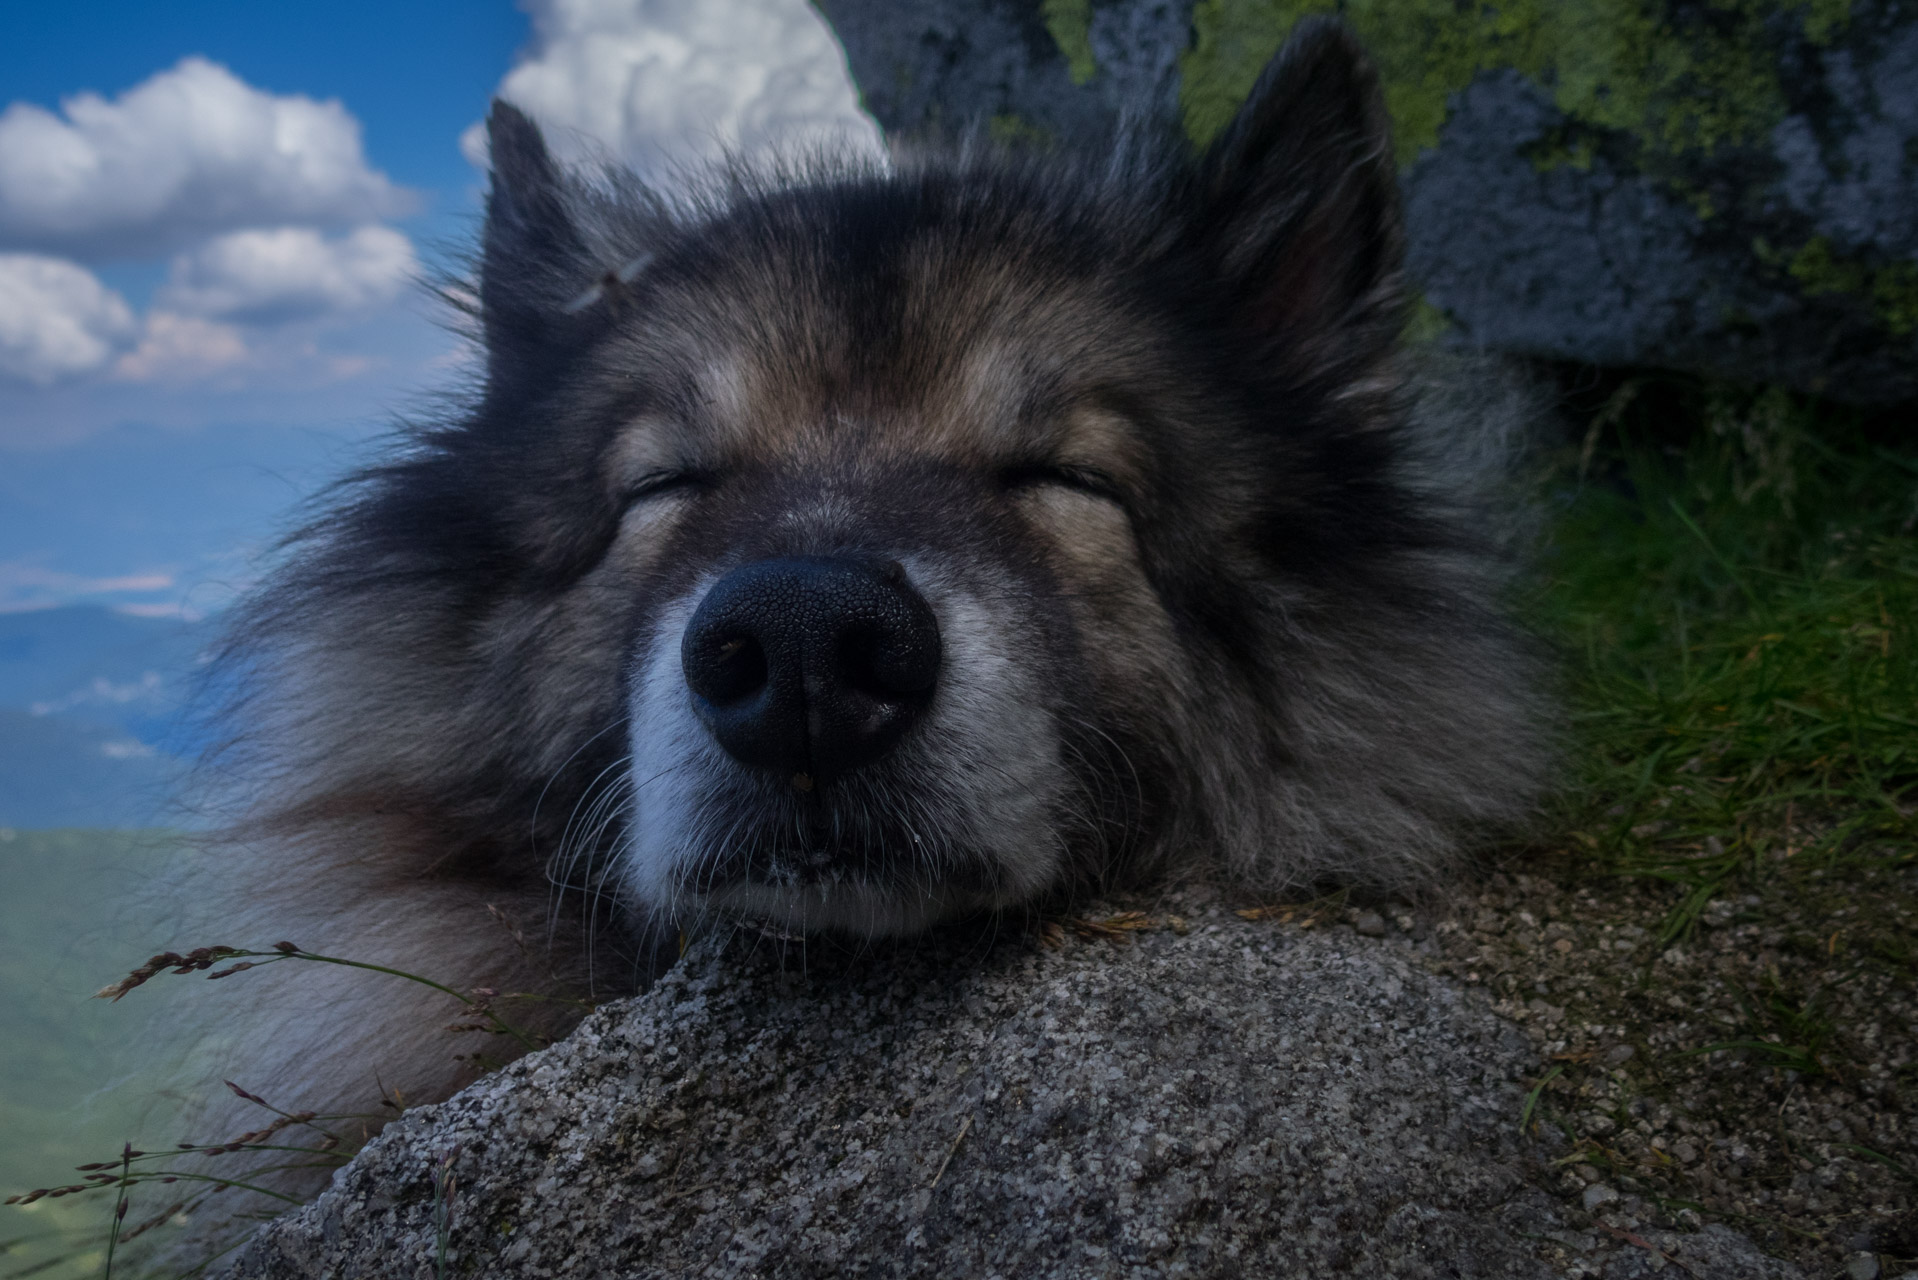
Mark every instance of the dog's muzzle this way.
pixel 811 666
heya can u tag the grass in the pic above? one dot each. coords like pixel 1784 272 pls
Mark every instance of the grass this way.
pixel 1537 1092
pixel 81 1075
pixel 232 960
pixel 271 1153
pixel 1731 579
pixel 1734 578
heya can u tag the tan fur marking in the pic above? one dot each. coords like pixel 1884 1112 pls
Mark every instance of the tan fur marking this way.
pixel 646 445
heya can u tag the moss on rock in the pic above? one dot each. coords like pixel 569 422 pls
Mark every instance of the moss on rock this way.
pixel 1009 129
pixel 1070 24
pixel 1675 85
pixel 1892 290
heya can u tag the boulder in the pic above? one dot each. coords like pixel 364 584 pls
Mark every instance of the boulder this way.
pixel 1725 189
pixel 1196 1096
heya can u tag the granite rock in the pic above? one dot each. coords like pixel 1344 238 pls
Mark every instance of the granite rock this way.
pixel 1204 1097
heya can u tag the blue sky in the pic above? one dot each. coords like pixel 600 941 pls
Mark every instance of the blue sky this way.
pixel 212 216
pixel 414 71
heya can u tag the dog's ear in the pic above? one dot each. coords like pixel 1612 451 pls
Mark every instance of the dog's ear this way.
pixel 533 258
pixel 1299 207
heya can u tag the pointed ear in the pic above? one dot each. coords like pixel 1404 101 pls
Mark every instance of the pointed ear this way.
pixel 1299 205
pixel 533 260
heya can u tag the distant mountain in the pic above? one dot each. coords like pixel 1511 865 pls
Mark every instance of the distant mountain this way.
pixel 58 773
pixel 92 725
pixel 92 664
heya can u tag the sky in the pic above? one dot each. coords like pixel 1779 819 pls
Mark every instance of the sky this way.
pixel 214 221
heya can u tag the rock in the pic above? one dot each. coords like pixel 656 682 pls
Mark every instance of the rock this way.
pixel 1244 1099
pixel 1862 1266
pixel 1715 1253
pixel 1015 67
pixel 1597 1196
pixel 1370 924
pixel 1729 190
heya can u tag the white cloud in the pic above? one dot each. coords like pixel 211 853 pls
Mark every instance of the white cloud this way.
pixel 57 319
pixel 289 272
pixel 176 348
pixel 26 584
pixel 176 609
pixel 190 152
pixel 102 692
pixel 659 81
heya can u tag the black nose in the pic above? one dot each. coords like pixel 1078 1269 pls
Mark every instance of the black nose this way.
pixel 811 665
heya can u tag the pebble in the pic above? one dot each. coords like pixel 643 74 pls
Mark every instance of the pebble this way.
pixel 1370 923
pixel 1598 1193
pixel 1618 1055
pixel 1863 1266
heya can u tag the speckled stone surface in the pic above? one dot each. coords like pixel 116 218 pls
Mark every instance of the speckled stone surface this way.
pixel 1242 1098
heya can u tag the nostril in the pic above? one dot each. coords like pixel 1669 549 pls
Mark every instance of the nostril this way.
pixel 725 668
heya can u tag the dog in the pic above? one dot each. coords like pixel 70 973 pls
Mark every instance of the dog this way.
pixel 851 548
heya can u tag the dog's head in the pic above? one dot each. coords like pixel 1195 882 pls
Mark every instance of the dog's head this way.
pixel 934 488
pixel 892 544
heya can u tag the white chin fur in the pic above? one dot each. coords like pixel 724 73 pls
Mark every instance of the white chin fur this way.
pixel 987 748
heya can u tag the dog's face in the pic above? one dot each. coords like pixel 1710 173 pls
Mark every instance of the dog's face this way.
pixel 895 639
pixel 937 500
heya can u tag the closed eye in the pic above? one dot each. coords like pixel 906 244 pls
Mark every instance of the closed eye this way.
pixel 655 484
pixel 1080 479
